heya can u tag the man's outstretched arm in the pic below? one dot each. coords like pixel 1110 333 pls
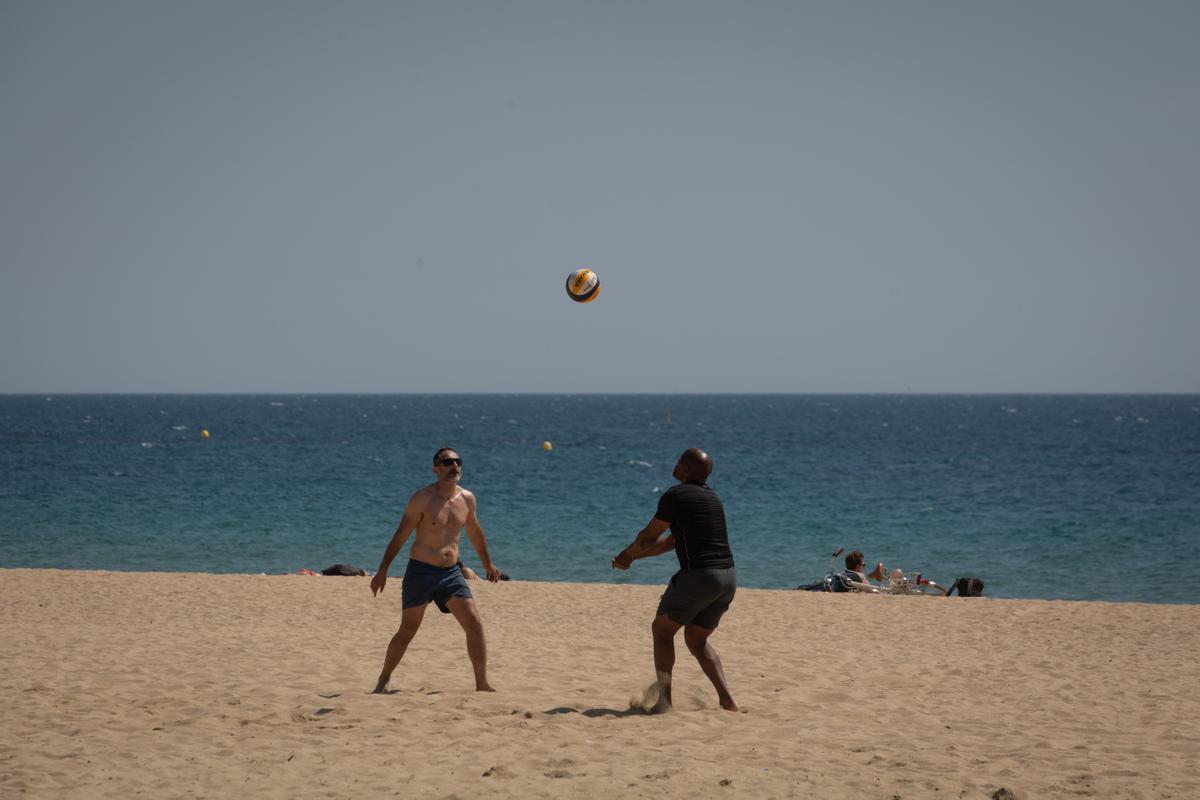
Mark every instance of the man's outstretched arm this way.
pixel 647 544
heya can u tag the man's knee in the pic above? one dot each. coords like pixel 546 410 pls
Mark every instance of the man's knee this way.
pixel 664 627
pixel 696 639
pixel 467 614
pixel 410 620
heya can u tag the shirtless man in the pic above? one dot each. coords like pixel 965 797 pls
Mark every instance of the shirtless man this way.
pixel 437 513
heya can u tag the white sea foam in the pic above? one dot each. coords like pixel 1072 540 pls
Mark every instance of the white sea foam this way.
pixel 641 463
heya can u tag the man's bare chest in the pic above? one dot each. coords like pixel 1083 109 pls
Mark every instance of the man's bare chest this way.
pixel 445 513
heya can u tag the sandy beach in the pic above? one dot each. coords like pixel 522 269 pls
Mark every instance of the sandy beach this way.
pixel 175 685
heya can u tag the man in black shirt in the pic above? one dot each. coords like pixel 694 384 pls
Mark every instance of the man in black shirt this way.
pixel 700 592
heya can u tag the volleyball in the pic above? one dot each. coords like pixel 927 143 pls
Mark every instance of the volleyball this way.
pixel 583 286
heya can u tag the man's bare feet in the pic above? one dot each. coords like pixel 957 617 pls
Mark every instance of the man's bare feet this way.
pixel 663 688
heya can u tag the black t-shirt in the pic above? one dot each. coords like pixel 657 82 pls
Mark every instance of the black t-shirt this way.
pixel 697 520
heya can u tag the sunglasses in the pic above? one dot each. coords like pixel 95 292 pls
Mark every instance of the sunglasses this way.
pixel 445 462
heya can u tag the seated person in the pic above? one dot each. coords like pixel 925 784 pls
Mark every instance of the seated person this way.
pixel 853 572
pixel 837 581
pixel 854 564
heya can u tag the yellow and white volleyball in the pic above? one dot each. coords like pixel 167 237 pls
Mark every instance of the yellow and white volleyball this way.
pixel 204 433
pixel 583 286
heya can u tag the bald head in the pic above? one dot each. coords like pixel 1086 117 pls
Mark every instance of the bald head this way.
pixel 693 465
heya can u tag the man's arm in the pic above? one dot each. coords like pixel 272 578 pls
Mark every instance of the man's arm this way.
pixel 408 523
pixel 479 541
pixel 647 544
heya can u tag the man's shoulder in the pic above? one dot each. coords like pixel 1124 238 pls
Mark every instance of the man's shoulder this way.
pixel 691 489
pixel 431 490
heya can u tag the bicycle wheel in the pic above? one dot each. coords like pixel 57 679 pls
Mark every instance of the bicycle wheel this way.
pixel 866 588
pixel 928 588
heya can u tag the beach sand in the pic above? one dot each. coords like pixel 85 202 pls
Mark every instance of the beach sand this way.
pixel 168 685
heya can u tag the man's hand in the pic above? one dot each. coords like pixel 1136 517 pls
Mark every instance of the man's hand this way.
pixel 623 560
pixel 493 573
pixel 378 582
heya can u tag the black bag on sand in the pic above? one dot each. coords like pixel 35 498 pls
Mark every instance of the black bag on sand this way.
pixel 343 569
pixel 967 587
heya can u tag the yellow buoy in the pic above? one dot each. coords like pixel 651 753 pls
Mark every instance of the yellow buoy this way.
pixel 204 433
pixel 547 446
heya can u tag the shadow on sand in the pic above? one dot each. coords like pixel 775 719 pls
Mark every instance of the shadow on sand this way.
pixel 599 712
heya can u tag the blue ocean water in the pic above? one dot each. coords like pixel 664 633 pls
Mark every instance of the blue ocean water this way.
pixel 1046 496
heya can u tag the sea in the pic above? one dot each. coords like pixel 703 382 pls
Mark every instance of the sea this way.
pixel 1064 497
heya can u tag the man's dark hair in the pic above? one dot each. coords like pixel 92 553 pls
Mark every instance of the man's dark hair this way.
pixel 439 452
pixel 854 560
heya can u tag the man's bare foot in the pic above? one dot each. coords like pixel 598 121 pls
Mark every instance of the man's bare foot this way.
pixel 662 687
pixel 484 688
pixel 728 704
pixel 380 688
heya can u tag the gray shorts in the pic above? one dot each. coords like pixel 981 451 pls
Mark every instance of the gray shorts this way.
pixel 699 596
pixel 425 583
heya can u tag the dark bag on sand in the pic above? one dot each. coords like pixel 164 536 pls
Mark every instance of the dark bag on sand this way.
pixel 967 587
pixel 343 569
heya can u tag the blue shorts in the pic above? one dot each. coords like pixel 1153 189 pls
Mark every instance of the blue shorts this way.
pixel 424 583
pixel 699 596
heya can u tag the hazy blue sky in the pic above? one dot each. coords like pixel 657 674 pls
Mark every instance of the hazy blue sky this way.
pixel 795 197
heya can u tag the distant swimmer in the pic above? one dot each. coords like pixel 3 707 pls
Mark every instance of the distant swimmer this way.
pixel 701 591
pixel 437 513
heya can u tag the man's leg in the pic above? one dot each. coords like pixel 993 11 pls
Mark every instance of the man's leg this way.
pixel 663 630
pixel 464 610
pixel 410 620
pixel 697 642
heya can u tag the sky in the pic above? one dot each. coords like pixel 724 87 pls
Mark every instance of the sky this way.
pixel 777 196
